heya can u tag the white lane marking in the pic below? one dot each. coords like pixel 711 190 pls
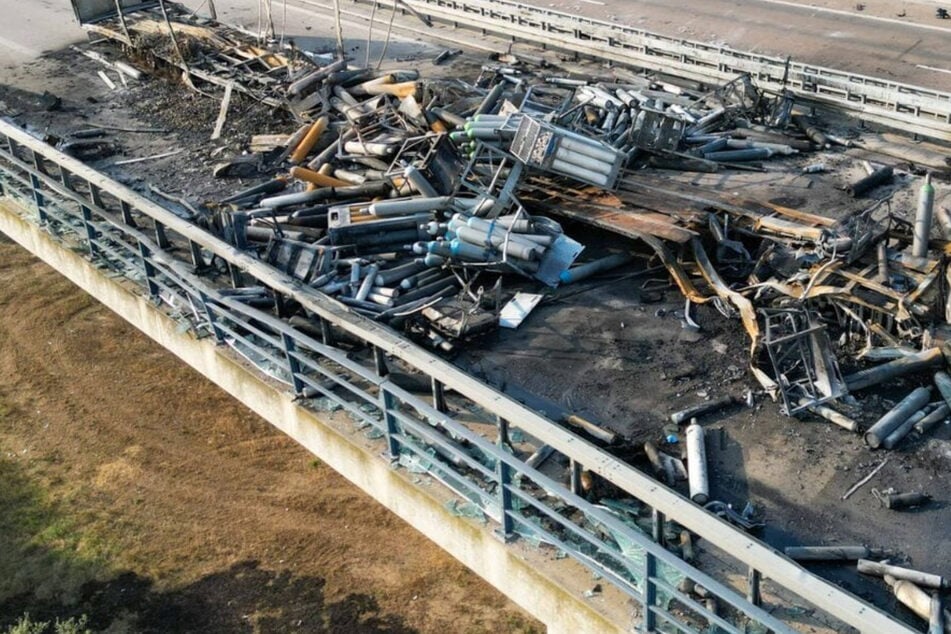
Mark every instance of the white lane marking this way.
pixel 18 48
pixel 853 14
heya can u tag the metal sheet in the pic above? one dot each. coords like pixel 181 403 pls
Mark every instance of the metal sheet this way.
pixel 91 11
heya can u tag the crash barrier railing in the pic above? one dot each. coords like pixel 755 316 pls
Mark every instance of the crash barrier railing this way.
pixel 914 109
pixel 181 265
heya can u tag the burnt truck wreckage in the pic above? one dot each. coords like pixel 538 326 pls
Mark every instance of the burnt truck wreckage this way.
pixel 446 208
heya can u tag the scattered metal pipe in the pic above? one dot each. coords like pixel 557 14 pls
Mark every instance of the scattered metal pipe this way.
pixel 899 501
pixel 498 241
pixel 389 276
pixel 919 362
pixel 814 134
pixel 917 577
pixel 936 621
pixel 923 219
pixel 310 140
pixel 943 214
pixel 539 457
pixel 584 271
pixel 881 176
pixel 915 599
pixel 831 553
pixel 902 430
pixel 739 156
pixel 491 99
pixel 881 250
pixel 405 206
pixel 697 464
pixel 273 186
pixel 830 415
pixel 930 421
pixel 653 456
pixel 696 411
pixel 898 414
pixel 604 435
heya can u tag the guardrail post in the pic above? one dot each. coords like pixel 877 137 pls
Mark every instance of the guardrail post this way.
pixel 575 469
pixel 503 425
pixel 90 230
pixel 379 361
pixel 650 592
pixel 38 199
pixel 290 347
pixel 753 594
pixel 439 396
pixel 506 531
pixel 149 271
pixel 161 239
pixel 235 274
pixel 35 184
pixel 280 306
pixel 64 178
pixel 194 250
pixel 126 211
pixel 212 318
pixel 326 334
pixel 392 425
pixel 657 526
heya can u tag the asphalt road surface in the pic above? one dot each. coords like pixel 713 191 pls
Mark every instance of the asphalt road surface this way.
pixel 913 49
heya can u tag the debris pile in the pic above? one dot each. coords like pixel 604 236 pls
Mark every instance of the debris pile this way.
pixel 429 204
pixel 397 192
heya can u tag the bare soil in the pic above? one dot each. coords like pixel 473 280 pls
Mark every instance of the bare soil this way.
pixel 136 492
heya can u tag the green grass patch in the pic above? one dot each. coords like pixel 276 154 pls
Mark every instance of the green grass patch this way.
pixel 43 551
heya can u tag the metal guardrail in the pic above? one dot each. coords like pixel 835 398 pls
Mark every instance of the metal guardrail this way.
pixel 129 234
pixel 914 109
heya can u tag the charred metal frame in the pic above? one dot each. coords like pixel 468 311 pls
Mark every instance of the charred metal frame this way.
pixel 804 366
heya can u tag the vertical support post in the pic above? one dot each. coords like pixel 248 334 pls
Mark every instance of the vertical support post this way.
pixel 149 271
pixel 35 184
pixel 503 426
pixel 507 527
pixel 126 210
pixel 657 526
pixel 379 361
pixel 326 334
pixel 280 305
pixel 392 425
pixel 90 230
pixel 439 396
pixel 38 199
pixel 64 178
pixel 575 469
pixel 161 239
pixel 195 250
pixel 292 363
pixel 212 319
pixel 753 594
pixel 235 274
pixel 95 196
pixel 650 592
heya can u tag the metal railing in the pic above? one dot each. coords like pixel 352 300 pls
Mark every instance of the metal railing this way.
pixel 190 270
pixel 914 109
